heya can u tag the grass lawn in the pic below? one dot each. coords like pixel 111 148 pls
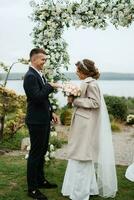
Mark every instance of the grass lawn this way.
pixel 13 180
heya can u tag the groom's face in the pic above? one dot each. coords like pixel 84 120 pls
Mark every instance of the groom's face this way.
pixel 39 60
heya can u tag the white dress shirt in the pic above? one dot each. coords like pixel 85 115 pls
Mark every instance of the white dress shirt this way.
pixel 39 72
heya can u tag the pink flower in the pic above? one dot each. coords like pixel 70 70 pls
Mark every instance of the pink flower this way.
pixel 70 89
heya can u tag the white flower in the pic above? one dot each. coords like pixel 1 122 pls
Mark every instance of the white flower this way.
pixel 54 107
pixel 47 154
pixel 28 148
pixel 58 8
pixel 90 13
pixel 130 119
pixel 69 9
pixel 42 16
pixel 26 156
pixel 120 6
pixel 46 7
pixel 49 23
pixel 57 55
pixel 53 134
pixel 52 154
pixel 47 159
pixel 51 147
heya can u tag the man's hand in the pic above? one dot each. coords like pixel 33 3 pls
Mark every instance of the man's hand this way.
pixel 55 118
pixel 55 85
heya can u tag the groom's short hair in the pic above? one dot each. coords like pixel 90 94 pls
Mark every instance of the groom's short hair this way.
pixel 36 51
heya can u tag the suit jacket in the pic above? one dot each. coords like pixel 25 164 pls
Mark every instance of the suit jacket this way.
pixel 83 138
pixel 39 109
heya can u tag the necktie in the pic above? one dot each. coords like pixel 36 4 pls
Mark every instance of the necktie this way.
pixel 43 79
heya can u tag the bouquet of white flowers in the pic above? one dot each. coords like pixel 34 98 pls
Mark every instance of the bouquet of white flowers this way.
pixel 71 90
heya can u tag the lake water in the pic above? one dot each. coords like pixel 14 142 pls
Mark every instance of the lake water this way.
pixel 116 88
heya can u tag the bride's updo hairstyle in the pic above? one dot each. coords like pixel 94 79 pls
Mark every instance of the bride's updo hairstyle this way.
pixel 88 68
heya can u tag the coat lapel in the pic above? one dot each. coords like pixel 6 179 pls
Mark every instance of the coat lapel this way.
pixel 37 74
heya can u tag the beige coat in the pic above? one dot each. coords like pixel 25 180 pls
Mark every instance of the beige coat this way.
pixel 83 138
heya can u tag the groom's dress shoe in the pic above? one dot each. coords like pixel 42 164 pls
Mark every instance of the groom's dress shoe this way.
pixel 36 194
pixel 46 184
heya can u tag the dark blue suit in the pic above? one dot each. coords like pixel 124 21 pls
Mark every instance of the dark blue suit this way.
pixel 38 117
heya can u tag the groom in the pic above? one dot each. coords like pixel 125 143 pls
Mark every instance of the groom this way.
pixel 38 117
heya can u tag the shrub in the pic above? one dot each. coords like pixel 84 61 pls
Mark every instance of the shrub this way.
pixel 115 126
pixel 130 104
pixel 65 116
pixel 111 117
pixel 117 107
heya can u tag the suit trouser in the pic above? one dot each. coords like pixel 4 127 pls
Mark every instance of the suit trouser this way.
pixel 39 138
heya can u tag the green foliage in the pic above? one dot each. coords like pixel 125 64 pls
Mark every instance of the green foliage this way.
pixel 14 143
pixel 115 126
pixel 3 66
pixel 11 103
pixel 111 117
pixel 8 100
pixel 117 107
pixel 57 142
pixel 130 104
pixel 66 115
pixel 12 109
pixel 13 125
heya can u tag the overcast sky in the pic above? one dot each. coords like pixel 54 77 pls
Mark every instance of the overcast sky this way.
pixel 112 50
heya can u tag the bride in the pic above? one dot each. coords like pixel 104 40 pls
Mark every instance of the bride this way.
pixel 91 166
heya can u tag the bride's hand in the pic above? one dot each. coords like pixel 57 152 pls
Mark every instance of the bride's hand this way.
pixel 55 85
pixel 70 99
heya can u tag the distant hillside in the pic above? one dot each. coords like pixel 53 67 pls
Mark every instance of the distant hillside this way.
pixel 12 76
pixel 106 76
pixel 73 76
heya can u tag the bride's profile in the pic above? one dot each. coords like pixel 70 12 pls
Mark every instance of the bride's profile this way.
pixel 91 165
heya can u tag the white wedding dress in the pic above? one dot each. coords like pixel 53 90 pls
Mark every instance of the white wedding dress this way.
pixel 85 178
pixel 80 180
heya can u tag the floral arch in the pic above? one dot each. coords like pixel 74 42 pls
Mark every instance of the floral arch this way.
pixel 52 18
